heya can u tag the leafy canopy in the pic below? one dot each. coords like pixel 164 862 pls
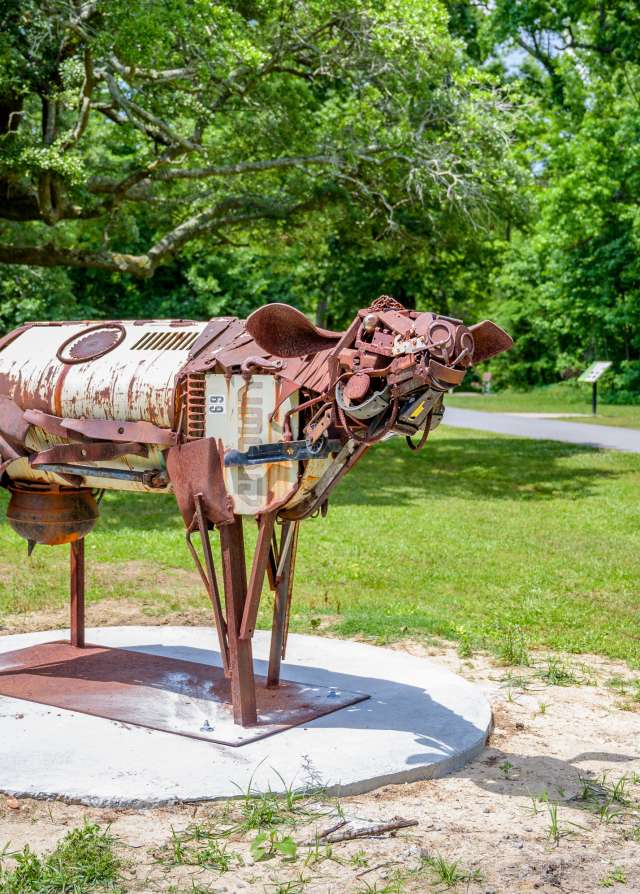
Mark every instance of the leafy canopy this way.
pixel 130 129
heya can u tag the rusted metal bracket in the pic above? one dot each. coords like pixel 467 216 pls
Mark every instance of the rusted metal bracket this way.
pixel 260 561
pixel 96 452
pixel 13 425
pixel 102 429
pixel 345 460
pixel 153 478
pixel 209 578
pixel 282 601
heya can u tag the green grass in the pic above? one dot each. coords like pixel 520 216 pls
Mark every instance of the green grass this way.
pixel 83 862
pixel 477 536
pixel 561 398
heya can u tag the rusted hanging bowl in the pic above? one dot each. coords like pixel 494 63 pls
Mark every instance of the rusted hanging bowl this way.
pixel 52 516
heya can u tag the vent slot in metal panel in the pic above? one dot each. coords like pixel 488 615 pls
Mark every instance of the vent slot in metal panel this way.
pixel 165 341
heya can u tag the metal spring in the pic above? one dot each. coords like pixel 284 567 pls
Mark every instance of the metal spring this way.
pixel 195 403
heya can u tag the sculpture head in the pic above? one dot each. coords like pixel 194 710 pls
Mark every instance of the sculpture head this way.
pixel 388 371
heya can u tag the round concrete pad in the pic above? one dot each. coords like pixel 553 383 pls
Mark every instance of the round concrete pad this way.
pixel 420 721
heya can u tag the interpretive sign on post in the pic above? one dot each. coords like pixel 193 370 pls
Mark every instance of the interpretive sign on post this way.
pixel 592 374
pixel 595 371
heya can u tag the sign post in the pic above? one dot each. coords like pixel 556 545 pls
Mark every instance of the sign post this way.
pixel 592 374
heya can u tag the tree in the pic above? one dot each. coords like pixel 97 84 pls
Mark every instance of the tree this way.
pixel 568 284
pixel 130 129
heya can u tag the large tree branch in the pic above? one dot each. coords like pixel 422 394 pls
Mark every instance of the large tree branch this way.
pixel 131 72
pixel 155 171
pixel 141 119
pixel 242 210
pixel 52 256
pixel 85 103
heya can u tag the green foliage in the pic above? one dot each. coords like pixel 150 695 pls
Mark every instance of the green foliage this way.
pixel 269 844
pixel 510 646
pixel 83 862
pixel 449 873
pixel 568 286
pixel 198 845
pixel 130 130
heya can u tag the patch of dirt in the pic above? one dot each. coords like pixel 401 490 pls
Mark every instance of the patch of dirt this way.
pixel 514 820
pixel 109 612
pixel 139 573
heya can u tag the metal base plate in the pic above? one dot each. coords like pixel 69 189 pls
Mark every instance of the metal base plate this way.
pixel 175 696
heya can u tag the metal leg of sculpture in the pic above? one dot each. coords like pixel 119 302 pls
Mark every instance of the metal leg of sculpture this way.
pixel 282 601
pixel 77 593
pixel 243 689
pixel 210 580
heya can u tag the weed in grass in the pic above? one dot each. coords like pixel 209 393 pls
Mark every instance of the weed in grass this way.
pixel 265 810
pixel 535 810
pixel 83 861
pixel 198 845
pixel 394 886
pixel 261 811
pixel 616 875
pixel 558 673
pixel 448 873
pixel 194 889
pixel 505 768
pixel 291 886
pixel 510 646
pixel 318 853
pixel 511 680
pixel 628 690
pixel 269 844
pixel 359 859
pixel 465 648
pixel 553 832
pixel 609 801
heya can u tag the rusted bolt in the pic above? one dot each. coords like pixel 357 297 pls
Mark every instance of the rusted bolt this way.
pixel 121 430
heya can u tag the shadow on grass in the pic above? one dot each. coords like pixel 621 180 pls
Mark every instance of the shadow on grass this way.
pixel 390 475
pixel 471 469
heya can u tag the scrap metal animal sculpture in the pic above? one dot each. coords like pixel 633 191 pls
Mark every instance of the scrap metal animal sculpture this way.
pixel 237 418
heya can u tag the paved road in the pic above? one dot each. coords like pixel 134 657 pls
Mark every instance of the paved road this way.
pixel 608 436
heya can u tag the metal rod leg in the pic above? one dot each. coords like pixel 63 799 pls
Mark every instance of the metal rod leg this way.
pixel 282 599
pixel 77 593
pixel 234 571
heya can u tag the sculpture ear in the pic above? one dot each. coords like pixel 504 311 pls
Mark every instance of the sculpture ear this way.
pixel 283 331
pixel 489 340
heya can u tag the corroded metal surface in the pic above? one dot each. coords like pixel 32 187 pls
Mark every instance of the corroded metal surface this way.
pixel 286 332
pixel 49 516
pixel 94 342
pixel 128 383
pixel 138 688
pixel 259 418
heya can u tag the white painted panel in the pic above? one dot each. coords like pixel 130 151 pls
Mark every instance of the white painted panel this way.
pixel 125 384
pixel 239 413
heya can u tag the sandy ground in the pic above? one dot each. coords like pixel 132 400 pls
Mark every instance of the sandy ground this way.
pixel 516 820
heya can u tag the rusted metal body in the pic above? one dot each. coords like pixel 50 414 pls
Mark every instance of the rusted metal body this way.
pixel 258 418
pixel 51 516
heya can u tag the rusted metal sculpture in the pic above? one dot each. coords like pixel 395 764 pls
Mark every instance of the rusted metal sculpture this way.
pixel 237 418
